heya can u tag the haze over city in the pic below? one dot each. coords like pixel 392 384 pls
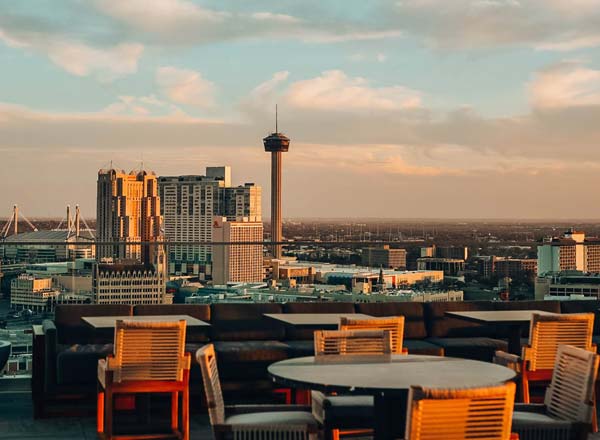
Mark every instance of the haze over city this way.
pixel 429 109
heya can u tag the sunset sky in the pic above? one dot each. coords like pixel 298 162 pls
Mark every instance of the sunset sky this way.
pixel 395 108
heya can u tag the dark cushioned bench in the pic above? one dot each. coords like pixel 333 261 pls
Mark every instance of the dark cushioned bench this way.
pixel 461 338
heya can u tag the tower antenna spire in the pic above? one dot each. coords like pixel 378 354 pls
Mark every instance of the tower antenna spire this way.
pixel 276 120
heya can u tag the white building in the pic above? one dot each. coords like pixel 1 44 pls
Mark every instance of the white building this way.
pixel 188 206
pixel 29 292
pixel 237 263
pixel 130 283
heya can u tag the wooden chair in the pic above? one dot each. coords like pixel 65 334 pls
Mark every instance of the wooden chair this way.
pixel 359 343
pixel 458 414
pixel 547 333
pixel 251 422
pixel 348 414
pixel 568 410
pixel 395 325
pixel 149 357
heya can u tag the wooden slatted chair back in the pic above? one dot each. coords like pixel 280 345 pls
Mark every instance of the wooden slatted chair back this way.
pixel 547 332
pixel 357 343
pixel 571 392
pixel 458 414
pixel 207 359
pixel 147 351
pixel 395 325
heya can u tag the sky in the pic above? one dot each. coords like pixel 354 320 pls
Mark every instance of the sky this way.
pixel 395 108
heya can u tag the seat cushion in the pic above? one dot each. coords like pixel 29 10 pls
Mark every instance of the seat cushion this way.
pixel 535 425
pixel 273 418
pixel 300 348
pixel 78 364
pixel 250 351
pixel 413 312
pixel 343 411
pixel 418 346
pixel 481 349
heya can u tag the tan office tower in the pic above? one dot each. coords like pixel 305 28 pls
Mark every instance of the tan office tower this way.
pixel 237 263
pixel 128 210
pixel 276 144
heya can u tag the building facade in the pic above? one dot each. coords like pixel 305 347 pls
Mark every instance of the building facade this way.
pixel 237 263
pixel 572 251
pixel 189 205
pixel 130 283
pixel 384 257
pixel 128 211
pixel 450 266
pixel 515 267
pixel 29 292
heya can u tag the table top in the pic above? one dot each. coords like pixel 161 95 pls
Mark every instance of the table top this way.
pixel 498 316
pixel 111 321
pixel 314 319
pixel 399 374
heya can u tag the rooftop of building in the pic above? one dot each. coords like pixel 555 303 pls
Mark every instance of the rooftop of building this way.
pixel 47 235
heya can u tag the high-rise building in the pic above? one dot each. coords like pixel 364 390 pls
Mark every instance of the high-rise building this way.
pixel 128 211
pixel 384 257
pixel 237 262
pixel 276 144
pixel 189 205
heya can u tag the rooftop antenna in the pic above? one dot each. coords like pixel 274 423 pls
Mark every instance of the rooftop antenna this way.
pixel 276 122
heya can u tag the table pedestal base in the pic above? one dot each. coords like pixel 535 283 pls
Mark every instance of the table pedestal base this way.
pixel 390 415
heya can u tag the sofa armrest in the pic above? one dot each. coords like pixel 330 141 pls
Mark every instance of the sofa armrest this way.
pixel 38 361
pixel 50 354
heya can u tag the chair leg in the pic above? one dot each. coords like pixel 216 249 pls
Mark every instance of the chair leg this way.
pixel 525 387
pixel 100 412
pixel 185 413
pixel 594 413
pixel 335 434
pixel 108 414
pixel 174 411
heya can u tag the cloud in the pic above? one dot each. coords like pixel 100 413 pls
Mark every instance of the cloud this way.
pixel 334 90
pixel 269 16
pixel 472 24
pixel 142 106
pixel 76 57
pixel 161 16
pixel 567 84
pixel 185 86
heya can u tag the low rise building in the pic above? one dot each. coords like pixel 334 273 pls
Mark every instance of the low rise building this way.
pixel 29 292
pixel 130 283
pixel 568 285
pixel 449 266
pixel 384 257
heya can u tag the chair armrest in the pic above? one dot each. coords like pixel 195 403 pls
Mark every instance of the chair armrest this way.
pixel 508 360
pixel 538 408
pixel 246 409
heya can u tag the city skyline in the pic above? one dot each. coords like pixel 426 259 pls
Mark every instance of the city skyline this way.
pixel 397 109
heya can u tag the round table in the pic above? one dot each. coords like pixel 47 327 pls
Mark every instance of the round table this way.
pixel 388 381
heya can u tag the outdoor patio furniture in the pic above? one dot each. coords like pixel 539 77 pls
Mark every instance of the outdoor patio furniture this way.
pixel 255 422
pixel 547 333
pixel 458 414
pixel 347 414
pixel 149 357
pixel 568 411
